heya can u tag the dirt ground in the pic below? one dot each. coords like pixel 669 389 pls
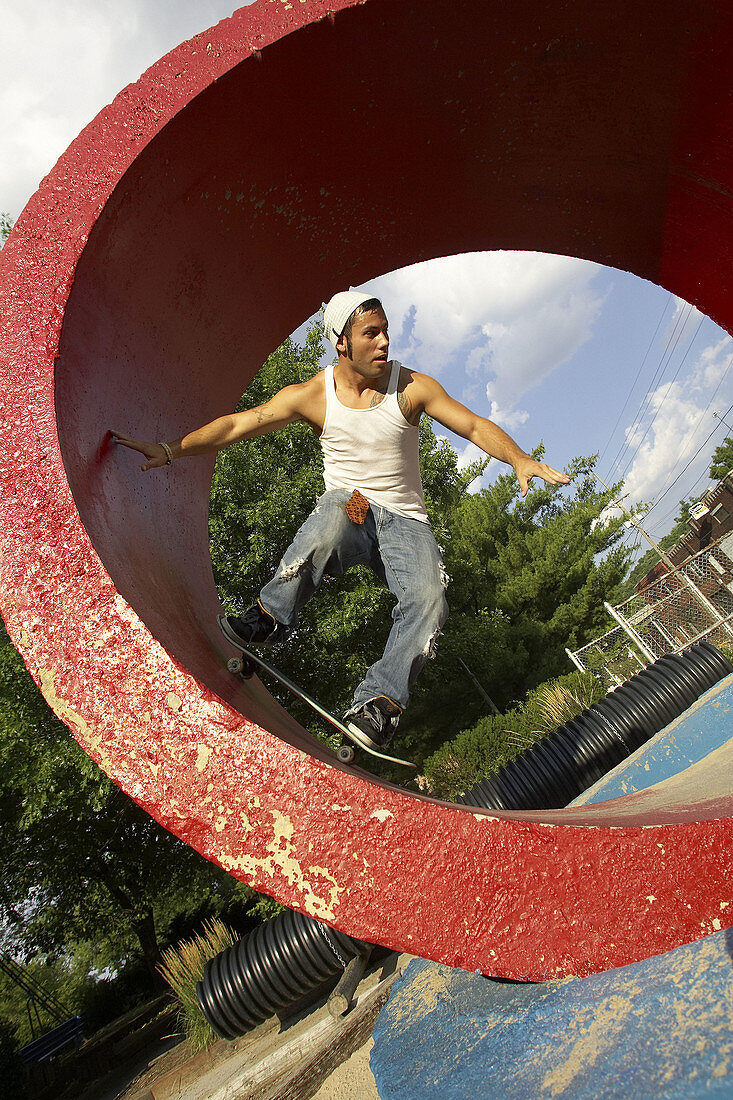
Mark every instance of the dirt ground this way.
pixel 311 1055
pixel 352 1080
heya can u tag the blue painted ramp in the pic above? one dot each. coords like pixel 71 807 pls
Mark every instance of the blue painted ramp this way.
pixel 661 1028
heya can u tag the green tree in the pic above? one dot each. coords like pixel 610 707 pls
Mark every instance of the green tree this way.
pixel 529 576
pixel 81 861
pixel 547 562
pixel 722 460
pixel 498 738
pixel 12 1076
pixel 264 488
pixel 479 661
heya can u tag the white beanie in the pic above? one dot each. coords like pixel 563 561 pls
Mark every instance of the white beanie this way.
pixel 338 311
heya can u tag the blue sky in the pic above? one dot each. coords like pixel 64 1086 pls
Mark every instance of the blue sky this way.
pixel 583 358
pixel 556 349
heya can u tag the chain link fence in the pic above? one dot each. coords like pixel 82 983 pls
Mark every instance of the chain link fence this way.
pixel 693 602
pixel 613 658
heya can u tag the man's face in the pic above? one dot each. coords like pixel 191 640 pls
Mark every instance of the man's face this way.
pixel 369 344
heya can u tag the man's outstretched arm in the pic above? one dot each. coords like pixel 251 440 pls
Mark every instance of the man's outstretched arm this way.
pixel 485 434
pixel 284 408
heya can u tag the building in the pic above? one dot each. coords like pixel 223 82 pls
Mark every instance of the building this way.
pixel 710 524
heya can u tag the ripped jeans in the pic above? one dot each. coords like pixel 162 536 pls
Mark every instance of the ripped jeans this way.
pixel 404 555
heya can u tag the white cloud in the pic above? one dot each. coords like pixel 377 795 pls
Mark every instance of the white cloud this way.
pixel 676 424
pixel 500 322
pixel 63 62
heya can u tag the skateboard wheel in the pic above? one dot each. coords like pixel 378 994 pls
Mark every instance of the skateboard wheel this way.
pixel 345 754
pixel 235 664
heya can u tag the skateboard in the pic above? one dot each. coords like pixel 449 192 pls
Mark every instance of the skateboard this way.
pixel 246 665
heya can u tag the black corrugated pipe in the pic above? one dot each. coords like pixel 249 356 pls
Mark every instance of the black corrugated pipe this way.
pixel 274 966
pixel 565 763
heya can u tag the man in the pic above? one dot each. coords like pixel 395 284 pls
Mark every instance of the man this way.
pixel 366 410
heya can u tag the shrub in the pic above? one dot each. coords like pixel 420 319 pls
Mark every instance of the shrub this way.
pixel 565 698
pixel 183 967
pixel 496 739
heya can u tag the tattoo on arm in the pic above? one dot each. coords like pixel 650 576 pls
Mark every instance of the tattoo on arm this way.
pixel 406 407
pixel 262 415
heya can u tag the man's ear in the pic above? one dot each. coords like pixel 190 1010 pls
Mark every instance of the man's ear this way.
pixel 341 346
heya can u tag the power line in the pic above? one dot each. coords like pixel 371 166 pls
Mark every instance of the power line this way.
pixel 645 400
pixel 638 374
pixel 690 492
pixel 685 468
pixel 666 395
pixel 632 519
pixel 667 487
pixel 651 391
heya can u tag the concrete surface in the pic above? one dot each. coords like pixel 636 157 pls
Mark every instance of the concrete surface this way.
pixel 661 1029
pixel 352 1080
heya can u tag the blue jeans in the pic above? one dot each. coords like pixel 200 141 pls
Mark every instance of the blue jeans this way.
pixel 404 555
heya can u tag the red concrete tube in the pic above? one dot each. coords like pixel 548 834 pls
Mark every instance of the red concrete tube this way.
pixel 289 151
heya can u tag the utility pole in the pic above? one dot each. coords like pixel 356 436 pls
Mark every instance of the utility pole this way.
pixel 669 563
pixel 617 504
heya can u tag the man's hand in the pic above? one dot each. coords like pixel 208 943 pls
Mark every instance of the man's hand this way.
pixel 154 452
pixel 527 468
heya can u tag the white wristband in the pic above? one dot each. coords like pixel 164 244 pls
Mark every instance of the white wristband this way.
pixel 168 454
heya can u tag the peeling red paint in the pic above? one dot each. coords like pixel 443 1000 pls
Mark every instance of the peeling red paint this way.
pixel 189 228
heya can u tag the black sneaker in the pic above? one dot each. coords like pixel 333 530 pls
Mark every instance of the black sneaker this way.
pixel 374 722
pixel 255 627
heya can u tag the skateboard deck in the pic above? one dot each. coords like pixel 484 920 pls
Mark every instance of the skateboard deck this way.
pixel 249 661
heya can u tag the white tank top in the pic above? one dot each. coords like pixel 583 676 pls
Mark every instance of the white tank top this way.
pixel 374 450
